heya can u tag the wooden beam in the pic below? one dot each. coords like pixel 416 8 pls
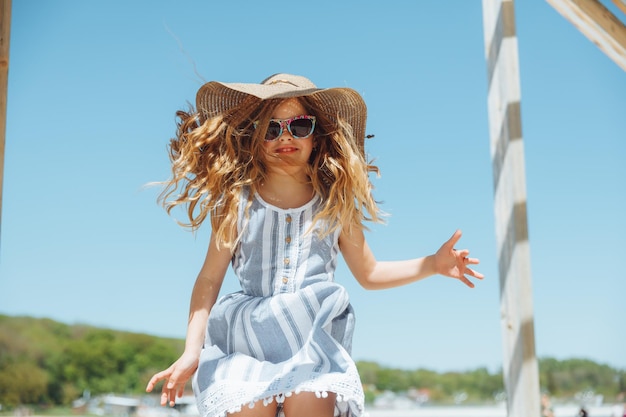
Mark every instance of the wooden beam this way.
pixel 5 34
pixel 598 24
pixel 520 368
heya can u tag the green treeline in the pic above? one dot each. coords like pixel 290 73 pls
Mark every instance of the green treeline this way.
pixel 561 379
pixel 45 362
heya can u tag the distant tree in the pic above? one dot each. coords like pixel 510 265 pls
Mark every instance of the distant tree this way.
pixel 22 383
pixel 568 377
pixel 483 385
pixel 46 362
pixel 368 372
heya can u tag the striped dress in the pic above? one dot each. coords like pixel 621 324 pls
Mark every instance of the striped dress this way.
pixel 289 329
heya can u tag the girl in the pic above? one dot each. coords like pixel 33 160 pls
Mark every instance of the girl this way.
pixel 280 171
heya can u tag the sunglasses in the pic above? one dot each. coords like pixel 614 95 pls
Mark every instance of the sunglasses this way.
pixel 299 127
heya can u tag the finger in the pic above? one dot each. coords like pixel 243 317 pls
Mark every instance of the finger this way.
pixel 153 381
pixel 466 281
pixel 172 396
pixel 473 273
pixel 172 382
pixel 171 387
pixel 164 395
pixel 452 241
pixel 473 261
pixel 168 396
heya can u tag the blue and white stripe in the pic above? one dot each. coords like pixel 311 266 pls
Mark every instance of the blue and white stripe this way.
pixel 290 327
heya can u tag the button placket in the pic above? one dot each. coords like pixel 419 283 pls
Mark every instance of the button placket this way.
pixel 288 261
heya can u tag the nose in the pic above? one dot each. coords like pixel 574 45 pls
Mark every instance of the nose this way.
pixel 286 134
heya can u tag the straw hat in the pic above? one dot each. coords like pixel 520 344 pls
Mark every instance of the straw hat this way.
pixel 215 98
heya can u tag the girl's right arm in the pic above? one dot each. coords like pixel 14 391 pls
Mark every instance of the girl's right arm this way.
pixel 203 297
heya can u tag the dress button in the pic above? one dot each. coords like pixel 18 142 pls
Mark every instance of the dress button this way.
pixel 285 280
pixel 288 239
pixel 288 219
pixel 286 261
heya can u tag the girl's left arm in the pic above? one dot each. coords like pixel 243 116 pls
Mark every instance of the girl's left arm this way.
pixel 376 275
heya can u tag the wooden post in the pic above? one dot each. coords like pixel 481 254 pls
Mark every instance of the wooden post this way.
pixel 520 369
pixel 598 24
pixel 5 34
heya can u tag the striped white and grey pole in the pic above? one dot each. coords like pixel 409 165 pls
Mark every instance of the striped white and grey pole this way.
pixel 520 369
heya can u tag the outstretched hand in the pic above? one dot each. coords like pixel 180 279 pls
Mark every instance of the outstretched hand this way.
pixel 453 263
pixel 176 377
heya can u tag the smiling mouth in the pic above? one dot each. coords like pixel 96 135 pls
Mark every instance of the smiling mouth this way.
pixel 286 150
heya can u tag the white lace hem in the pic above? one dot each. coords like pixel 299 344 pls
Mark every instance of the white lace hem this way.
pixel 223 397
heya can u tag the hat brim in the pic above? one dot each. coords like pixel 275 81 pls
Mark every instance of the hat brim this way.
pixel 216 98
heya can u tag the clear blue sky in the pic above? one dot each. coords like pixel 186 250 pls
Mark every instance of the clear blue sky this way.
pixel 93 88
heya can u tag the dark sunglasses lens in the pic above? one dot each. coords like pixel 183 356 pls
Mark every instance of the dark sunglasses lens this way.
pixel 273 131
pixel 301 128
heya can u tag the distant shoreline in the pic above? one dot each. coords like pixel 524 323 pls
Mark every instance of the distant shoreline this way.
pixel 441 411
pixel 566 410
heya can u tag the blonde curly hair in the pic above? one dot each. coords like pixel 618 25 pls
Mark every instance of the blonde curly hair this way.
pixel 213 160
